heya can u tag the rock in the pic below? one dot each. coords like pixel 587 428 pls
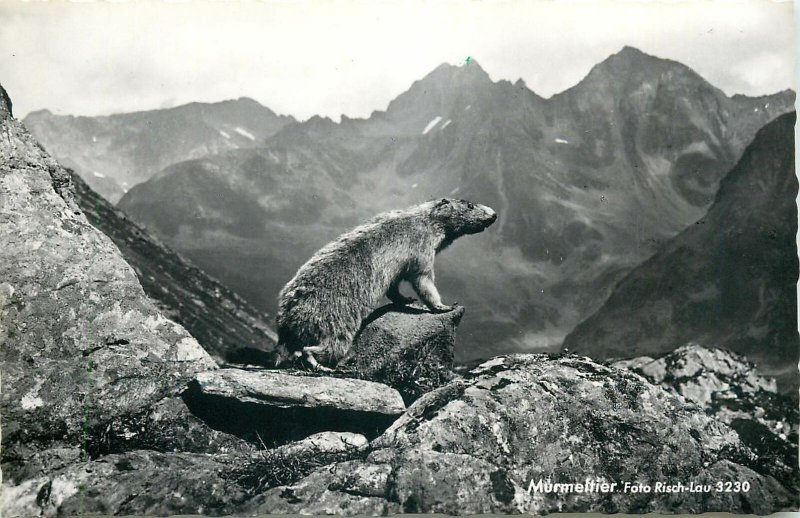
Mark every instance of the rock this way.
pixel 83 351
pixel 326 442
pixel 702 375
pixel 729 388
pixel 134 483
pixel 284 390
pixel 278 406
pixel 167 426
pixel 475 445
pixel 408 348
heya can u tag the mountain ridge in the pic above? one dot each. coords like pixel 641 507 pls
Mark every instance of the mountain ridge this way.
pixel 120 150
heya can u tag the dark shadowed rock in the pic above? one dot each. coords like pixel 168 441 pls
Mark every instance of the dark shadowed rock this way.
pixel 474 446
pixel 408 348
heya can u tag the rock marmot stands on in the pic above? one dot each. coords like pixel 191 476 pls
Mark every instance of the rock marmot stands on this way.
pixel 321 309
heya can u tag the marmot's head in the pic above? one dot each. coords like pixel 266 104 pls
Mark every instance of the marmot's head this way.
pixel 460 217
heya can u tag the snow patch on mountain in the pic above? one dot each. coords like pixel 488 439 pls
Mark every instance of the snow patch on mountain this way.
pixel 432 124
pixel 243 132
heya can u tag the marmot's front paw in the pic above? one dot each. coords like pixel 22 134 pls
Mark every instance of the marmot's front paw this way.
pixel 441 308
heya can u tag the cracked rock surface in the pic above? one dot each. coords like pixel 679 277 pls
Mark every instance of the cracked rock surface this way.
pixel 474 445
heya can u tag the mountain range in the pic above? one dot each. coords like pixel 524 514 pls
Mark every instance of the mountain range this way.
pixel 113 153
pixel 588 184
pixel 729 280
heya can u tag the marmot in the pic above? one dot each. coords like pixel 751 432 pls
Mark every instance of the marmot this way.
pixel 321 309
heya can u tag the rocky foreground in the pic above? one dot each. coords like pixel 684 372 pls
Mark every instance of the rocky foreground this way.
pixel 109 407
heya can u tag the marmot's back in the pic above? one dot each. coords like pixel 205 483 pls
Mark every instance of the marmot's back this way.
pixel 323 306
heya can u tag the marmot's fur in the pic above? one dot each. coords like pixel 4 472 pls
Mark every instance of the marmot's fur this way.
pixel 321 309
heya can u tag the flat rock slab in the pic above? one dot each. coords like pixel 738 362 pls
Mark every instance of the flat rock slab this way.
pixel 271 408
pixel 284 390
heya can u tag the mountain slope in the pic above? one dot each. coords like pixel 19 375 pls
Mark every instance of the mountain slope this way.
pixel 227 326
pixel 587 184
pixel 727 281
pixel 113 153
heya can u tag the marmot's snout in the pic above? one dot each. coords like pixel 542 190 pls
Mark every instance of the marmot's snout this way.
pixel 481 215
pixel 461 217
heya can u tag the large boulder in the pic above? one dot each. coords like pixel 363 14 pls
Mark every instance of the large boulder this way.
pixel 477 444
pixel 87 360
pixel 408 348
pixel 273 407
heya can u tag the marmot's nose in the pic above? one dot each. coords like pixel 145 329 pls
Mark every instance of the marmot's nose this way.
pixel 489 212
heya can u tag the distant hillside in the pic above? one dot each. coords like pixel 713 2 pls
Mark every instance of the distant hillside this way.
pixel 227 326
pixel 587 184
pixel 727 281
pixel 114 153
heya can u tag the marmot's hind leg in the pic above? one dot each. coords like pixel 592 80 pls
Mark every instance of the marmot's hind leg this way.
pixel 308 353
pixel 396 297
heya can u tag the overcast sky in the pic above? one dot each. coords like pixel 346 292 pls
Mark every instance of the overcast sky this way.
pixel 333 57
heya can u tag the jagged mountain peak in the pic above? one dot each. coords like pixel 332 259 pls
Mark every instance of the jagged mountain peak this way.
pixel 632 56
pixel 470 69
pixel 442 88
pixel 631 66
